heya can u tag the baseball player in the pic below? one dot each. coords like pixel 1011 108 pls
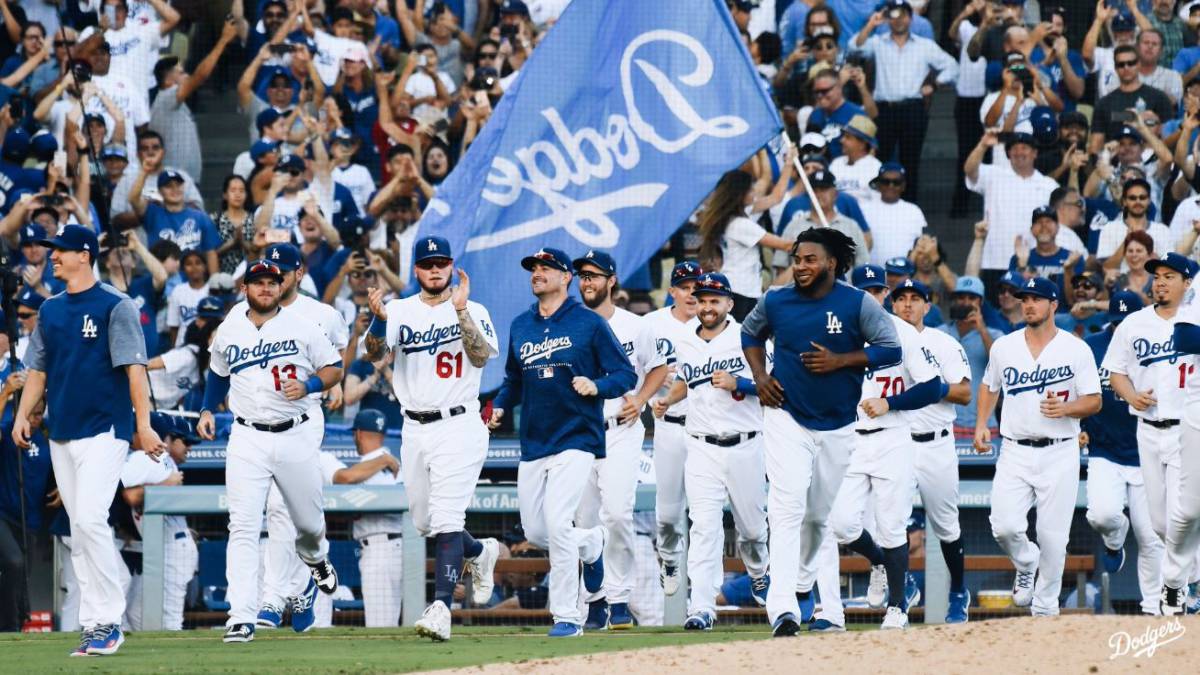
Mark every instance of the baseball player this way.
pixel 563 363
pixel 671 325
pixel 819 325
pixel 612 488
pixel 441 341
pixel 936 461
pixel 269 359
pixel 1114 476
pixel 1049 382
pixel 881 474
pixel 179 553
pixel 724 451
pixel 87 357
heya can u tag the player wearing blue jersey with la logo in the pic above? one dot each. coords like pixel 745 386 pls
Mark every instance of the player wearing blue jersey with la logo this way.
pixel 1114 475
pixel 87 356
pixel 811 394
pixel 563 363
pixel 1049 382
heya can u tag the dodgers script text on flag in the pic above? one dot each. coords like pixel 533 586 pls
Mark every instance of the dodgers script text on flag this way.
pixel 616 128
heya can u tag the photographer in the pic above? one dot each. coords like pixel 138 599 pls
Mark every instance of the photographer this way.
pixel 430 88
pixel 358 268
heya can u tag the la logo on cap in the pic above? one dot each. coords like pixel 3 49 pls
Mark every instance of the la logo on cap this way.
pixel 908 283
pixel 432 245
pixel 275 254
pixel 1030 284
pixel 870 273
pixel 1122 306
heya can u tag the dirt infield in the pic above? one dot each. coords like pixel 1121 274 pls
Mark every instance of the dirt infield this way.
pixel 1068 644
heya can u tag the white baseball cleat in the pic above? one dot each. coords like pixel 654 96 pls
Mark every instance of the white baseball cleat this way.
pixel 877 589
pixel 483 568
pixel 435 622
pixel 668 576
pixel 895 619
pixel 1023 587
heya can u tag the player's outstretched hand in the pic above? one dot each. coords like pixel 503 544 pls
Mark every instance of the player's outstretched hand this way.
pixel 20 432
pixel 874 407
pixel 770 392
pixel 1083 439
pixel 294 390
pixel 206 426
pixel 821 360
pixel 334 396
pixel 723 380
pixel 494 421
pixel 375 302
pixel 659 407
pixel 630 410
pixel 458 296
pixel 1143 399
pixel 983 440
pixel 1053 407
pixel 150 442
pixel 584 387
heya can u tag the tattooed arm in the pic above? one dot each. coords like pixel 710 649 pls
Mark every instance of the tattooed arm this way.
pixel 474 343
pixel 376 335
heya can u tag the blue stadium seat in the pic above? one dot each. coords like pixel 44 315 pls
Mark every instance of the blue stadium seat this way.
pixel 212 574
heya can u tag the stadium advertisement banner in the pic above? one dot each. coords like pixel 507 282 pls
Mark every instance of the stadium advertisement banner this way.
pixel 618 126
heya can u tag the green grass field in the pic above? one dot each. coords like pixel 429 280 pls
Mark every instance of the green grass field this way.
pixel 337 650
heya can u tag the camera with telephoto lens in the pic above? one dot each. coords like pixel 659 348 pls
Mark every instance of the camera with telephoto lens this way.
pixel 508 31
pixel 960 312
pixel 1023 75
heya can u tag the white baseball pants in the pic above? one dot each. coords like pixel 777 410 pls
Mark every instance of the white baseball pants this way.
pixel 87 471
pixel 131 586
pixel 608 500
pixel 548 490
pixel 68 583
pixel 1047 478
pixel 936 470
pixel 440 462
pixel 670 451
pixel 712 473
pixel 826 576
pixel 180 558
pixel 1159 455
pixel 880 476
pixel 805 468
pixel 646 603
pixel 380 565
pixel 1109 487
pixel 1183 532
pixel 254 460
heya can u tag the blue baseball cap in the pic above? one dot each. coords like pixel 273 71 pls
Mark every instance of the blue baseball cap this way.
pixel 43 145
pixel 262 147
pixel 31 234
pixel 888 167
pixel 1044 212
pixel 290 162
pixel 285 255
pixel 713 283
pixel 162 423
pixel 868 276
pixel 1174 261
pixel 1020 137
pixel 514 7
pixel 1038 287
pixel 1044 123
pixel 262 268
pixel 1122 304
pixel 969 285
pixel 370 419
pixel 1013 279
pixel 428 248
pixel 899 265
pixel 73 238
pixel 343 135
pixel 185 432
pixel 688 270
pixel 30 299
pixel 210 308
pixel 599 259
pixel 267 117
pixel 169 176
pixel 1127 131
pixel 551 257
pixel 114 151
pixel 1123 22
pixel 912 285
pixel 16 145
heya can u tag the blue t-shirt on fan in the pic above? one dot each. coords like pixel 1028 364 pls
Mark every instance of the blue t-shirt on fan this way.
pixel 189 229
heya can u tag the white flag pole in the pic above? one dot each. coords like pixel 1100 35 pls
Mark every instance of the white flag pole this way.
pixel 804 179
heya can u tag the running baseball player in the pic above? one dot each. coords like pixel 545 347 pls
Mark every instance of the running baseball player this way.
pixel 724 451
pixel 671 325
pixel 269 359
pixel 880 475
pixel 936 461
pixel 819 326
pixel 1114 476
pixel 1183 528
pixel 1049 382
pixel 612 487
pixel 563 363
pixel 441 341
pixel 87 357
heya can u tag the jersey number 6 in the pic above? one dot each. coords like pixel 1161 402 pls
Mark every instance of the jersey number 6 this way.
pixel 449 365
pixel 288 371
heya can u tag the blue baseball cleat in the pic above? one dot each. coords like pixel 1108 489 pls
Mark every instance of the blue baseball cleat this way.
pixel 593 574
pixel 912 592
pixel 598 615
pixel 959 608
pixel 699 621
pixel 303 613
pixel 105 640
pixel 808 605
pixel 1113 560
pixel 758 589
pixel 269 616
pixel 825 626
pixel 564 629
pixel 619 617
pixel 785 626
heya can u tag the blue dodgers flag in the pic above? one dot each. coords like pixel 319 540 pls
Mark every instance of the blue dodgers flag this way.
pixel 621 122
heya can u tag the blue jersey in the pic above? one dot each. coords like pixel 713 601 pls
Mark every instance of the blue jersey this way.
pixel 190 228
pixel 841 321
pixel 1112 432
pixel 148 301
pixel 844 204
pixel 1051 267
pixel 36 466
pixel 15 179
pixel 830 125
pixel 544 355
pixel 82 342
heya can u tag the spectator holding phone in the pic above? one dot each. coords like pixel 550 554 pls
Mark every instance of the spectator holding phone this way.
pixel 1113 110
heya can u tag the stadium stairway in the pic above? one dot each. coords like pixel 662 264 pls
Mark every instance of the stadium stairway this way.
pixel 223 136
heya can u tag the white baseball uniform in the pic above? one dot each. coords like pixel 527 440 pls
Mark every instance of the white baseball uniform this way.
pixel 1039 456
pixel 380 564
pixel 1183 527
pixel 724 459
pixel 179 549
pixel 257 360
pixel 670 440
pixel 880 473
pixel 936 462
pixel 431 373
pixel 612 486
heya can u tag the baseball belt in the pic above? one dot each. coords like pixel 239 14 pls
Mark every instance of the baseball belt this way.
pixel 274 428
pixel 1161 424
pixel 428 416
pixel 675 419
pixel 930 435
